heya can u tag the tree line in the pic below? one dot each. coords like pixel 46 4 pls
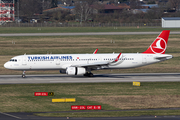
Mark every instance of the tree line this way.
pixel 84 11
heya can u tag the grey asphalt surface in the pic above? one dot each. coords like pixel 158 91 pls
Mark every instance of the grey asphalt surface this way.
pixel 31 116
pixel 98 78
pixel 86 33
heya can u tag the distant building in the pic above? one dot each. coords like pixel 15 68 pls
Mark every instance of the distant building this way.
pixel 107 8
pixel 65 8
pixel 144 8
pixel 124 6
pixel 171 22
pixel 150 5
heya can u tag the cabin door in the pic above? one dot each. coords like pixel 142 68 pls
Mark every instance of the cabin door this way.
pixel 24 60
pixel 57 61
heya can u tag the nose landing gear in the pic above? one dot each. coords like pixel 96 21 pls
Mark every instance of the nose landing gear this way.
pixel 24 74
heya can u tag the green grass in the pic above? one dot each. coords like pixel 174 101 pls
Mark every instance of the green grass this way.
pixel 20 97
pixel 81 44
pixel 80 29
pixel 114 114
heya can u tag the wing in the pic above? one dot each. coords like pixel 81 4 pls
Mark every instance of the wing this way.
pixel 96 65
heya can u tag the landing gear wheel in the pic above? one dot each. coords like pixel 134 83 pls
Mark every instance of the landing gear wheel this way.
pixel 24 74
pixel 88 74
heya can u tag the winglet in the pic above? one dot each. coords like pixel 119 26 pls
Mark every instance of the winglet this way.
pixel 95 51
pixel 117 57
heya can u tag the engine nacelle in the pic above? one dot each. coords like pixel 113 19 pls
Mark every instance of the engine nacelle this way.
pixel 75 71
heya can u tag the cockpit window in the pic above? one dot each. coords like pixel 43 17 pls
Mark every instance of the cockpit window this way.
pixel 13 60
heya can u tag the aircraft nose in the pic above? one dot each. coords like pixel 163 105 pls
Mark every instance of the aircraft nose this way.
pixel 6 65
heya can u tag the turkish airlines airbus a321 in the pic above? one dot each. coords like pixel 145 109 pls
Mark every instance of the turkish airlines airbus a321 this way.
pixel 77 64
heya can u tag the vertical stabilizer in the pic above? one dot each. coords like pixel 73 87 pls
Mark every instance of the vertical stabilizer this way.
pixel 160 43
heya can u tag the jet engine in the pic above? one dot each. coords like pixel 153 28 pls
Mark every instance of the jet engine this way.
pixel 75 71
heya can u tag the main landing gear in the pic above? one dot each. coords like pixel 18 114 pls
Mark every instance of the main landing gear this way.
pixel 88 74
pixel 24 74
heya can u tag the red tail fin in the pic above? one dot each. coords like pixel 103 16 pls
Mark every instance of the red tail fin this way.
pixel 160 43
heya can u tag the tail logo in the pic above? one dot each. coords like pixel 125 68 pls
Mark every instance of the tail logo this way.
pixel 159 45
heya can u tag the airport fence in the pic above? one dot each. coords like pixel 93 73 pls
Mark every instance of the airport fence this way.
pixel 81 25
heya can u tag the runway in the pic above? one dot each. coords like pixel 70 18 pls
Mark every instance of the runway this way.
pixel 85 33
pixel 98 78
pixel 31 116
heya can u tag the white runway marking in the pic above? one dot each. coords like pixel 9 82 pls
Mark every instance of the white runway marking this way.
pixel 10 115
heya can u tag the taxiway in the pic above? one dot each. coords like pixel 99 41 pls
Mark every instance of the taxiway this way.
pixel 98 78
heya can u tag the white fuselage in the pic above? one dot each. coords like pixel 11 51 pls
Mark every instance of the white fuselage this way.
pixel 62 61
